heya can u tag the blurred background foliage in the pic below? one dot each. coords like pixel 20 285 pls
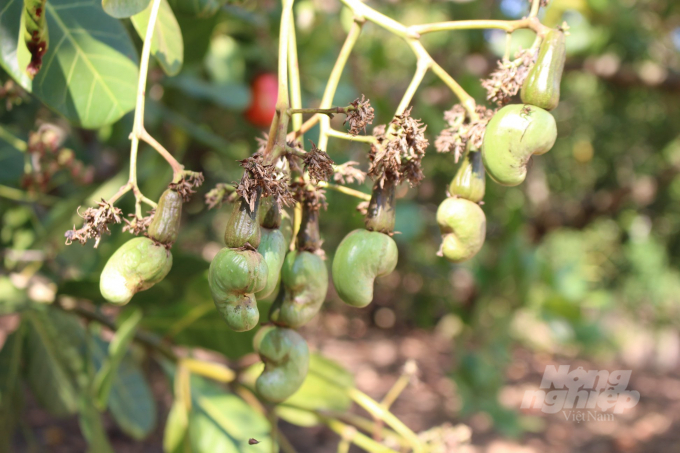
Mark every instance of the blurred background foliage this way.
pixel 580 260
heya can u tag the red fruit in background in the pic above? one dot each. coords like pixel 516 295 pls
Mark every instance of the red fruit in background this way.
pixel 264 91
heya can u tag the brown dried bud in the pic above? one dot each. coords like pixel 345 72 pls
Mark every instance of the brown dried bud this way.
pixel 318 164
pixel 362 115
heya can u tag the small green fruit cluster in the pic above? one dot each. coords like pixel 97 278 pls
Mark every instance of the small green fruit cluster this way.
pixel 365 254
pixel 238 271
pixel 461 221
pixel 142 262
pixel 286 361
pixel 517 132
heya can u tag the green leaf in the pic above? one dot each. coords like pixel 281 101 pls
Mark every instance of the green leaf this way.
pixel 89 73
pixel 121 9
pixel 11 39
pixel 166 45
pixel 10 387
pixel 233 96
pixel 130 401
pixel 221 422
pixel 117 350
pixel 176 426
pixel 55 365
pixel 198 8
pixel 91 426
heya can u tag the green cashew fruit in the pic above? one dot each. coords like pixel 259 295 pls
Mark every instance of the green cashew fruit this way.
pixel 234 277
pixel 381 213
pixel 463 227
pixel 469 180
pixel 136 266
pixel 360 258
pixel 286 361
pixel 514 134
pixel 165 223
pixel 305 282
pixel 243 228
pixel 273 245
pixel 542 85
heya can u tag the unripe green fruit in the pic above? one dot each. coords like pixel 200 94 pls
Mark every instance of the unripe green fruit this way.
pixel 305 282
pixel 243 227
pixel 286 227
pixel 136 266
pixel 469 181
pixel 273 248
pixel 234 277
pixel 165 223
pixel 360 258
pixel 542 86
pixel 286 360
pixel 463 227
pixel 514 134
pixel 381 213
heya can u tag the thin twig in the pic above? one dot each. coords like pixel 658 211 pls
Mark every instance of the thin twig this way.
pixel 346 190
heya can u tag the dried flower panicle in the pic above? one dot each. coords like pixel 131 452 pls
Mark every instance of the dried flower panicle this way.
pixel 462 131
pixel 362 115
pixel 96 221
pixel 362 207
pixel 311 196
pixel 268 179
pixel 138 225
pixel 347 174
pixel 318 164
pixel 398 157
pixel 507 79
pixel 218 195
pixel 185 186
pixel 47 157
pixel 12 93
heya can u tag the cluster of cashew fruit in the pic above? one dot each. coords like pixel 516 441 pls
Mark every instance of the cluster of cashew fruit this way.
pixel 259 261
pixel 142 262
pixel 514 134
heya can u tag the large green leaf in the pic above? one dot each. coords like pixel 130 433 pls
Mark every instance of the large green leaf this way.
pixel 89 73
pixel 117 350
pixel 11 39
pixel 221 422
pixel 198 8
pixel 10 387
pixel 91 426
pixel 166 45
pixel 175 434
pixel 55 365
pixel 124 8
pixel 130 400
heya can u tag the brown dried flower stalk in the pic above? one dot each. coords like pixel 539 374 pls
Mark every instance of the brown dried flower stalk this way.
pixel 347 174
pixel 462 131
pixel 218 195
pixel 138 225
pixel 96 221
pixel 359 118
pixel 318 164
pixel 398 157
pixel 185 186
pixel 268 178
pixel 508 78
